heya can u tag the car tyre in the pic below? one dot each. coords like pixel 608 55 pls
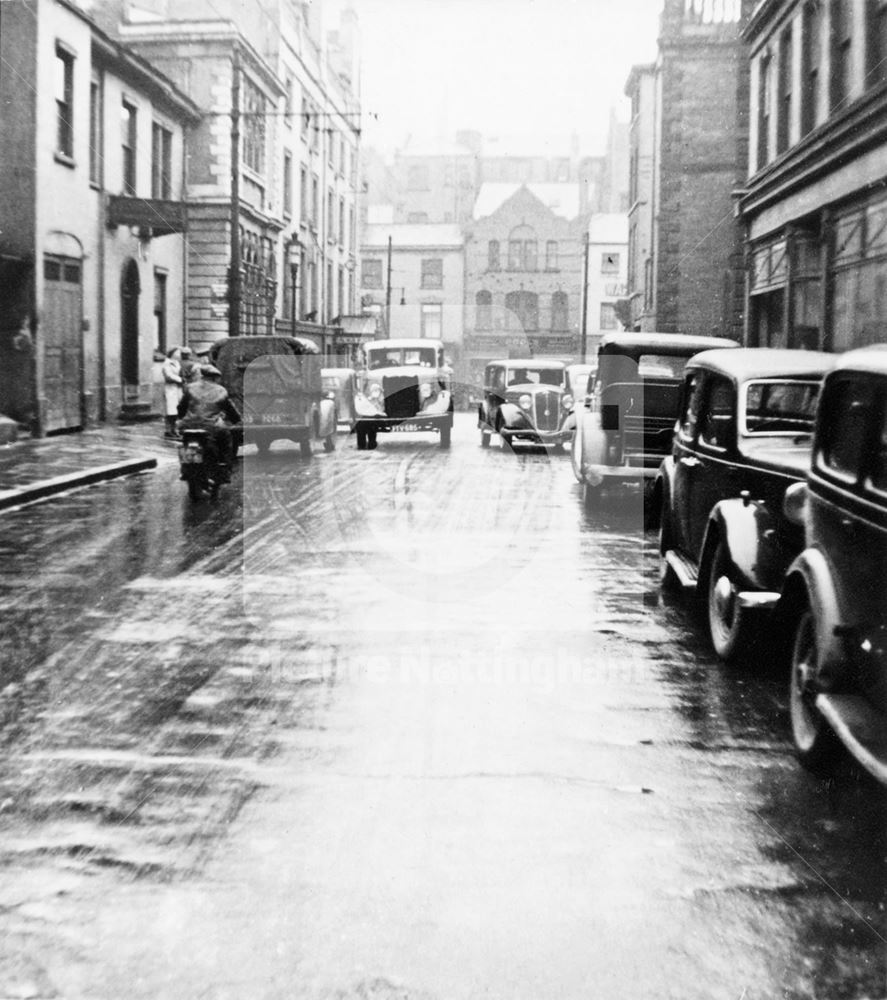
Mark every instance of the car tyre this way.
pixel 485 439
pixel 445 434
pixel 729 626
pixel 305 447
pixel 591 495
pixel 815 744
pixel 361 438
pixel 329 443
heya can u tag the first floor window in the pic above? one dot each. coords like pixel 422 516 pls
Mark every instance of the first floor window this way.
pixel 560 311
pixel 432 320
pixel 161 161
pixel 608 316
pixel 371 274
pixel 432 273
pixel 128 136
pixel 287 184
pixel 64 101
pixel 95 132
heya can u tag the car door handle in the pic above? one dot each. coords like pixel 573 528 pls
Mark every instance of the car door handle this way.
pixel 691 462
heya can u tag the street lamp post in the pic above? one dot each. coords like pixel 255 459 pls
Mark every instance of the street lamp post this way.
pixel 294 250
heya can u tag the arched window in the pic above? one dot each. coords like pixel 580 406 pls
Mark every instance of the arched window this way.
pixel 522 310
pixel 560 311
pixel 483 302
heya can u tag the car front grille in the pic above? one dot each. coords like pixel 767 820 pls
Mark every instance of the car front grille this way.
pixel 401 395
pixel 547 410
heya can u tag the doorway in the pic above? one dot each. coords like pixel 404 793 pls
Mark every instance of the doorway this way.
pixel 63 348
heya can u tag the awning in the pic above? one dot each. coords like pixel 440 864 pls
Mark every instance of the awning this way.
pixel 160 216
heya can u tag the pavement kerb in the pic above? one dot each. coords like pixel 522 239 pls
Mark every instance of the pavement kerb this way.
pixel 72 480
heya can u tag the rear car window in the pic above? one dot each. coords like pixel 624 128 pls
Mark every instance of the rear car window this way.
pixel 781 406
pixel 842 435
pixel 879 459
pixel 661 366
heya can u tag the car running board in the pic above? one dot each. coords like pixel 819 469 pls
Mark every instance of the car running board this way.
pixel 683 569
pixel 861 729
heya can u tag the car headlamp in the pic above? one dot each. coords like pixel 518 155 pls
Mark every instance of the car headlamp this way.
pixel 425 390
pixel 567 401
pixel 525 401
pixel 376 392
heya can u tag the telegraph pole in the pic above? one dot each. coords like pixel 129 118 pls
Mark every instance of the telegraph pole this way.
pixel 234 289
pixel 584 338
pixel 388 294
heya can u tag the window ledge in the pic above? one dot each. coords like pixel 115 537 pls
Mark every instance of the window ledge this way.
pixel 65 160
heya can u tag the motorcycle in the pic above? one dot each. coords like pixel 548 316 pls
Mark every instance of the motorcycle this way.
pixel 199 467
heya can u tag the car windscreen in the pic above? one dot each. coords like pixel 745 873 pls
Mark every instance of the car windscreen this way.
pixel 780 406
pixel 400 357
pixel 535 376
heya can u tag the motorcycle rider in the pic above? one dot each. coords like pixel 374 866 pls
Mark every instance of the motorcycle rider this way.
pixel 204 405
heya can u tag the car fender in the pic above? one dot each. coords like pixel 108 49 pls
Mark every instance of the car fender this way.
pixel 364 407
pixel 810 581
pixel 570 422
pixel 327 418
pixel 747 530
pixel 511 415
pixel 440 404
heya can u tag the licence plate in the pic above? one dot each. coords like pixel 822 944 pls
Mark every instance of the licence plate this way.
pixel 406 427
pixel 269 418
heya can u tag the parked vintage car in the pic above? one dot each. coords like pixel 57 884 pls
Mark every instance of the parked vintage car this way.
pixel 341 385
pixel 526 400
pixel 834 601
pixel 623 431
pixel 742 438
pixel 276 384
pixel 406 386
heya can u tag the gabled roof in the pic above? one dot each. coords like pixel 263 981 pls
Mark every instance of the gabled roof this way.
pixel 561 199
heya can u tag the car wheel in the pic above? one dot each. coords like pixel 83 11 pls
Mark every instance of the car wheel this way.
pixel 485 439
pixel 445 434
pixel 371 439
pixel 195 493
pixel 361 439
pixel 329 443
pixel 728 624
pixel 305 447
pixel 815 743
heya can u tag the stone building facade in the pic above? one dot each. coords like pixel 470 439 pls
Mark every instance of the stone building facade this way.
pixel 700 135
pixel 92 259
pixel 815 204
pixel 523 275
pixel 422 294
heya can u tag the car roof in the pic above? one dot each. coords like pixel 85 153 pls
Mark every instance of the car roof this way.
pixel 395 344
pixel 864 359
pixel 764 362
pixel 661 343
pixel 528 363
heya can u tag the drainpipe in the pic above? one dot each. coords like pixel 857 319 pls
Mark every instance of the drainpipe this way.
pixel 101 355
pixel 234 289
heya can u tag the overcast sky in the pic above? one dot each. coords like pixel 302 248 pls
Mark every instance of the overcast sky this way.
pixel 528 68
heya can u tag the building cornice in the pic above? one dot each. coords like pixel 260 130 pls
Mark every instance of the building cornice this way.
pixel 830 146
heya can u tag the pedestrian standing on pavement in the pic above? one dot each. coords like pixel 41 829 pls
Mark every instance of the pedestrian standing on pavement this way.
pixel 190 369
pixel 172 389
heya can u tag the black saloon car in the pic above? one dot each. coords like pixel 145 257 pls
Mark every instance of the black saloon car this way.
pixel 834 600
pixel 623 430
pixel 527 400
pixel 742 438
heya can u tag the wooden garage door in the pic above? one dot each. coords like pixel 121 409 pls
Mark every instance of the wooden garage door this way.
pixel 61 328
